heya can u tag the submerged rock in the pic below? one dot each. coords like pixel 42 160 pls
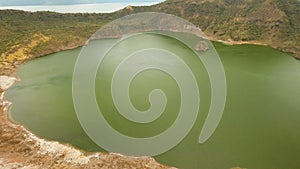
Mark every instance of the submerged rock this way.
pixel 202 46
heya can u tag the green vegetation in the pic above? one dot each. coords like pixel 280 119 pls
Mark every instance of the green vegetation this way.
pixel 272 22
pixel 62 29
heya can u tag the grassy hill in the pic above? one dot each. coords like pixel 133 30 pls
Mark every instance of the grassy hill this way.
pixel 25 35
pixel 50 32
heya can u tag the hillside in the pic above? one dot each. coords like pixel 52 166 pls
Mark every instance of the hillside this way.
pixel 62 31
pixel 272 22
pixel 25 35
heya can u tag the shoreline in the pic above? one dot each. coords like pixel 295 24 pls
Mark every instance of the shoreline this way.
pixel 231 42
pixel 13 71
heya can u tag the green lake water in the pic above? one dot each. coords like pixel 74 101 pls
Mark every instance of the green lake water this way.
pixel 259 128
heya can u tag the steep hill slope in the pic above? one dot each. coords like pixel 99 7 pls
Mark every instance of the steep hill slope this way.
pixel 272 22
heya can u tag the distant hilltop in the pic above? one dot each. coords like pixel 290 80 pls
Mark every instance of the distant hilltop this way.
pixel 65 2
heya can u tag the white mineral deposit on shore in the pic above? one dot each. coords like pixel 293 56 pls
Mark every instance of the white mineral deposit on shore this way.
pixel 6 82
